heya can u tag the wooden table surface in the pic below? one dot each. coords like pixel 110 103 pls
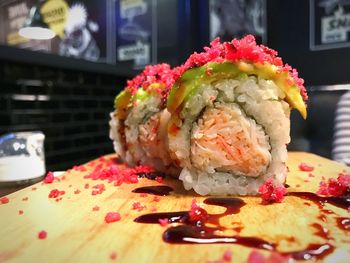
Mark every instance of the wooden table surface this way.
pixel 77 233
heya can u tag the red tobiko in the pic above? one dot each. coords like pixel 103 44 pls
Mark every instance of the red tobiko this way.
pixel 56 193
pixel 4 200
pixel 49 178
pixel 42 234
pixel 159 78
pixel 305 167
pixel 137 206
pixel 271 193
pixel 197 214
pixel 245 49
pixel 274 257
pixel 163 222
pixel 112 217
pixel 335 187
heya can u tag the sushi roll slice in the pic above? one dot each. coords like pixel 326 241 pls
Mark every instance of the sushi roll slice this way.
pixel 230 117
pixel 139 123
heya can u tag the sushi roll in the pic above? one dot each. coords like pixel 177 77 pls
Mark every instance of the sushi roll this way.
pixel 139 122
pixel 230 117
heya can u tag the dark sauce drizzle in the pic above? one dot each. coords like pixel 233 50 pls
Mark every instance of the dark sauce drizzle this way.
pixel 343 223
pixel 151 175
pixel 161 190
pixel 340 201
pixel 197 232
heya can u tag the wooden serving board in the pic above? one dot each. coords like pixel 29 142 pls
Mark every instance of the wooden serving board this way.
pixel 76 233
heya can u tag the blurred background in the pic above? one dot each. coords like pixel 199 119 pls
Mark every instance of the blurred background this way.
pixel 62 80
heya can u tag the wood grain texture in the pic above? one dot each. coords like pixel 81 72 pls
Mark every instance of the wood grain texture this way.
pixel 76 233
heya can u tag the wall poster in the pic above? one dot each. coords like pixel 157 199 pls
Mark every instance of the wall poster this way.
pixel 237 18
pixel 80 27
pixel 136 38
pixel 329 24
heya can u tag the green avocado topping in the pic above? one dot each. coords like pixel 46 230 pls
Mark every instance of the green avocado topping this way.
pixel 188 84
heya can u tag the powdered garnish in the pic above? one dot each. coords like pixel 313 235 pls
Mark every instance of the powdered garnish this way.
pixel 42 234
pixel 163 222
pixel 137 206
pixel 197 214
pixel 49 178
pixel 117 174
pixel 335 187
pixel 54 193
pixel 20 212
pixel 245 49
pixel 158 78
pixel 271 193
pixel 77 191
pixel 4 200
pixel 226 257
pixel 113 256
pixel 305 167
pixel 112 217
pixel 96 208
pixel 159 179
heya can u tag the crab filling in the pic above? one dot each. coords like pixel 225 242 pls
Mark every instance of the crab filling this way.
pixel 224 139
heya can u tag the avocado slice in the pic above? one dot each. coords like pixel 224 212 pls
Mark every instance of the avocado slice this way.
pixel 188 84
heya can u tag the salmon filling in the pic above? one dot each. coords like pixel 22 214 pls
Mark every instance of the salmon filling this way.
pixel 225 139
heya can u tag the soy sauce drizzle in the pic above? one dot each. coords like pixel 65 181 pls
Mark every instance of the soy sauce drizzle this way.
pixel 343 223
pixel 151 175
pixel 189 232
pixel 161 190
pixel 340 201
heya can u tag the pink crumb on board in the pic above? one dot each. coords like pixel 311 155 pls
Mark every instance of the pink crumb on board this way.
pixel 271 193
pixel 113 256
pixel 4 200
pixel 49 178
pixel 335 186
pixel 112 217
pixel 306 167
pixel 42 234
pixel 96 208
pixel 163 222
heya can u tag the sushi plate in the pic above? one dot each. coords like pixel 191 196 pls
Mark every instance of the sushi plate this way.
pixel 85 216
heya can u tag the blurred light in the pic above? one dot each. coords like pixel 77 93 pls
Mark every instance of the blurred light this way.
pixel 34 27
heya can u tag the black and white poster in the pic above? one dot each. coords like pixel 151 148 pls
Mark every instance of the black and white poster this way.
pixel 237 18
pixel 136 36
pixel 329 24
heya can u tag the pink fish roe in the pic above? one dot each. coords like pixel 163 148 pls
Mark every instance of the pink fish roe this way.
pixel 163 222
pixel 4 200
pixel 54 193
pixel 197 213
pixel 271 193
pixel 113 256
pixel 98 189
pixel 305 167
pixel 137 206
pixel 117 174
pixel 245 49
pixel 42 234
pixel 96 208
pixel 49 178
pixel 274 257
pixel 158 78
pixel 335 187
pixel 226 257
pixel 159 179
pixel 112 217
